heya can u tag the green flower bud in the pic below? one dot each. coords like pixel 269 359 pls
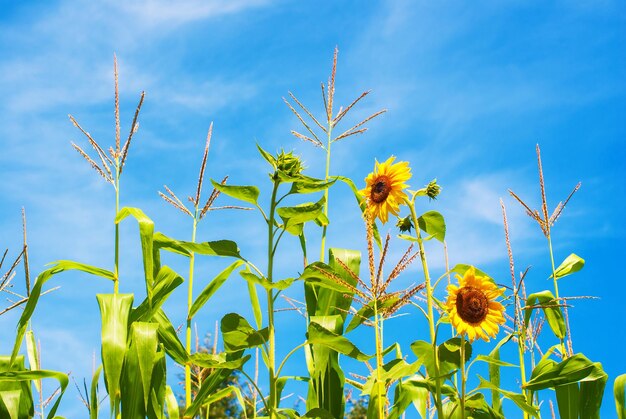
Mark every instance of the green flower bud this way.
pixel 405 224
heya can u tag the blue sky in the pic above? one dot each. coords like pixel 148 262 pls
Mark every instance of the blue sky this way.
pixel 470 90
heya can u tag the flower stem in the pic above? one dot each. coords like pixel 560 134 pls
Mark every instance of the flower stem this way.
pixel 323 242
pixel 273 402
pixel 380 386
pixel 556 289
pixel 116 279
pixel 429 302
pixel 463 376
pixel 189 318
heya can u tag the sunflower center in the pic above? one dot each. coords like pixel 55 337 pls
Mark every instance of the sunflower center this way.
pixel 472 305
pixel 380 189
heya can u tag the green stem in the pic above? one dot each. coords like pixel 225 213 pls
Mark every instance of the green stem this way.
pixel 556 288
pixel 273 403
pixel 116 280
pixel 189 317
pixel 323 244
pixel 429 302
pixel 463 376
pixel 380 386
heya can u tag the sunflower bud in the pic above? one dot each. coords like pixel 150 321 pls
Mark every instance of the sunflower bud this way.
pixel 288 165
pixel 431 190
pixel 405 224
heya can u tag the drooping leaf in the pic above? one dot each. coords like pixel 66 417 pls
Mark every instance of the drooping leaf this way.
pixel 212 287
pixel 146 232
pixel 571 370
pixel 165 283
pixel 25 377
pixel 225 248
pixel 302 213
pixel 168 337
pixel 461 268
pixel 237 333
pixel 317 334
pixel 114 311
pixel 518 399
pixel 319 274
pixel 367 312
pixel 16 397
pixel 573 263
pixel 433 224
pixel 264 282
pixel 307 185
pixel 42 278
pixel 550 306
pixel 249 194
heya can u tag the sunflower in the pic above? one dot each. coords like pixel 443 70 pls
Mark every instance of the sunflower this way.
pixel 384 188
pixel 472 307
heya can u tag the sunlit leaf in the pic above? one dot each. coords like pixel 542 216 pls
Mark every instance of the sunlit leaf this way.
pixel 433 224
pixel 16 398
pixel 516 398
pixel 249 194
pixel 620 395
pixel 550 306
pixel 317 334
pixel 114 310
pixel 237 333
pixel 212 287
pixel 573 263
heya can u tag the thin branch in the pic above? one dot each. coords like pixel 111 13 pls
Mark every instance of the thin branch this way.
pixel 302 120
pixel 343 113
pixel 91 162
pixel 354 130
pixel 305 138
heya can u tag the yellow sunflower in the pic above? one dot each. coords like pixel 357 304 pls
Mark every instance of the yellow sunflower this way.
pixel 472 307
pixel 384 188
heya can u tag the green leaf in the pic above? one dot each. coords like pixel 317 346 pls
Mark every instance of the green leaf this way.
pixel 518 399
pixel 16 397
pixel 206 360
pixel 433 223
pixel 406 394
pixel 114 310
pixel 33 356
pixel 256 306
pixel 171 403
pixel 213 248
pixel 461 268
pixel 146 231
pixel 320 274
pixel 317 334
pixel 591 393
pixel 94 400
pixel 567 401
pixel 307 185
pixel 249 194
pixel 318 413
pixel 237 333
pixel 267 156
pixel 573 263
pixel 450 355
pixel 550 306
pixel 19 376
pixel 620 396
pixel 302 213
pixel 145 343
pixel 165 283
pixel 212 287
pixel 169 338
pixel 264 282
pixel 573 369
